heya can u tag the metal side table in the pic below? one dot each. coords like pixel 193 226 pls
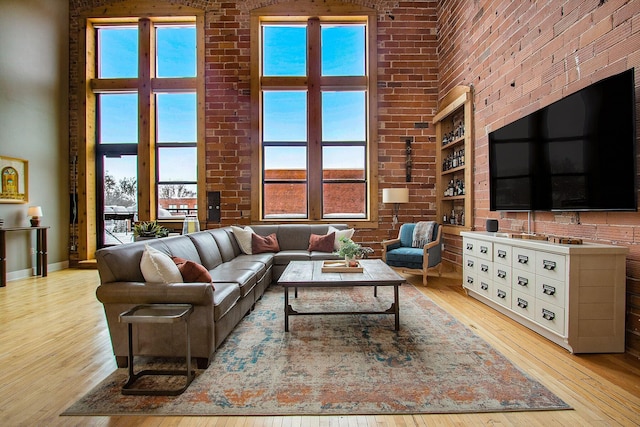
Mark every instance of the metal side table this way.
pixel 157 313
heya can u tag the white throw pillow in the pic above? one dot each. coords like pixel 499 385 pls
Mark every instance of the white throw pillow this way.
pixel 243 236
pixel 340 233
pixel 158 267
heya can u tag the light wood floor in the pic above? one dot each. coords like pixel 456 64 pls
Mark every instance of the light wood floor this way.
pixel 54 347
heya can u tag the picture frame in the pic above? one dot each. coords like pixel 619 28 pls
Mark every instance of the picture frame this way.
pixel 14 180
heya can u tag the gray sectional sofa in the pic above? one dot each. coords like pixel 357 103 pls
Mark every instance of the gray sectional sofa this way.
pixel 238 282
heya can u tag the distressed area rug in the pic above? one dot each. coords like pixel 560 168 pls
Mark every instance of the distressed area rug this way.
pixel 344 364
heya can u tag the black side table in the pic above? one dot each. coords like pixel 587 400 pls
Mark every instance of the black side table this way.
pixel 157 313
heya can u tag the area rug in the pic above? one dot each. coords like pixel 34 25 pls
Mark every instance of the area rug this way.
pixel 344 364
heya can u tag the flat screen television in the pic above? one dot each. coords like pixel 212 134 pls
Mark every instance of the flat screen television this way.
pixel 577 154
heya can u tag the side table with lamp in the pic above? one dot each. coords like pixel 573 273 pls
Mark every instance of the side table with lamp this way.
pixel 35 212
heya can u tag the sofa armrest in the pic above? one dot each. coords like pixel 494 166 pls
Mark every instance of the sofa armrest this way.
pixel 156 293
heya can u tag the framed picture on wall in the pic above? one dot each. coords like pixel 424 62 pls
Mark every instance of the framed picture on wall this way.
pixel 14 173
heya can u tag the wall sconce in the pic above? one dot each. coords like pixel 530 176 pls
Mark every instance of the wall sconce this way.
pixel 35 212
pixel 395 196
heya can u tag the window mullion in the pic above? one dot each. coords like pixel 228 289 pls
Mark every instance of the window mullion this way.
pixel 314 120
pixel 147 203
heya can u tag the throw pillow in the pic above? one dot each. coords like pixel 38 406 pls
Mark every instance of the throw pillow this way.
pixel 322 243
pixel 157 267
pixel 261 244
pixel 243 236
pixel 192 272
pixel 340 233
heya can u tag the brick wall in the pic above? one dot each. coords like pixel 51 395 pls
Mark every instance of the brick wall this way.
pixel 407 98
pixel 521 56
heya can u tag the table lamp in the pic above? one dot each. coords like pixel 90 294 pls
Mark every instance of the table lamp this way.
pixel 35 212
pixel 395 196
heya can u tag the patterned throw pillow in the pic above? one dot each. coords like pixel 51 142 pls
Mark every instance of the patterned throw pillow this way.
pixel 261 244
pixel 157 267
pixel 192 272
pixel 322 243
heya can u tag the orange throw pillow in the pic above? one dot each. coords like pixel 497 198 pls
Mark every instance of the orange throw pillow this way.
pixel 261 244
pixel 192 272
pixel 321 242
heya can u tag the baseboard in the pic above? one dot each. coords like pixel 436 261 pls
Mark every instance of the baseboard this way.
pixel 30 272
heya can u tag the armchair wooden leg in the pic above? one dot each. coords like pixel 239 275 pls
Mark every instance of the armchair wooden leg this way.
pixel 424 278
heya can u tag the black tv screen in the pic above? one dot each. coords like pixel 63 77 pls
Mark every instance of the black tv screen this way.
pixel 577 154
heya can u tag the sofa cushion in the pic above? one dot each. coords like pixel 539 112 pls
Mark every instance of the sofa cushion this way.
pixel 207 249
pixel 243 237
pixel 348 233
pixel 227 243
pixel 283 257
pixel 192 272
pixel 322 243
pixel 157 267
pixel 245 279
pixel 261 244
pixel 224 299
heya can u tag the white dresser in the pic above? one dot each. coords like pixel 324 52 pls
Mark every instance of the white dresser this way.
pixel 573 295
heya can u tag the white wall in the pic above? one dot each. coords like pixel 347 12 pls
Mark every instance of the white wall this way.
pixel 34 124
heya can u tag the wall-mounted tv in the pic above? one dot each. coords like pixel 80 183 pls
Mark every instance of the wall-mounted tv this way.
pixel 577 154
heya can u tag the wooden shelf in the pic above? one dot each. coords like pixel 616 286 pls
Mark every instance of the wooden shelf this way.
pixel 454 121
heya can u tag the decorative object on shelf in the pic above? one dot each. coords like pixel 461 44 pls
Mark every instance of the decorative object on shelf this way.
pixel 190 224
pixel 149 230
pixel 35 212
pixel 395 196
pixel 492 225
pixel 14 185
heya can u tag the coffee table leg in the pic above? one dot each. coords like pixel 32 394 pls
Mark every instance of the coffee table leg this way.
pixel 286 309
pixel 396 306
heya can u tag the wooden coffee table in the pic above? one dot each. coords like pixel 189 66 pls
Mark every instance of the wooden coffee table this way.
pixel 308 274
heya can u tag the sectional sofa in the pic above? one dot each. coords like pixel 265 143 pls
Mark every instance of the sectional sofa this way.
pixel 238 280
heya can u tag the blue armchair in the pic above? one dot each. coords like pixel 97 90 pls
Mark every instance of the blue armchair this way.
pixel 402 254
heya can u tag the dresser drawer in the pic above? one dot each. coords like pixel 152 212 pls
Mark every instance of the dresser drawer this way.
pixel 469 263
pixel 485 250
pixel 550 265
pixel 501 294
pixel 550 290
pixel 523 304
pixel 523 281
pixel 550 316
pixel 502 275
pixel 484 287
pixel 485 269
pixel 469 280
pixel 502 254
pixel 470 247
pixel 524 259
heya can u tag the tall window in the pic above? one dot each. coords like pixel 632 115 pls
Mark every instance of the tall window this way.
pixel 144 92
pixel 314 138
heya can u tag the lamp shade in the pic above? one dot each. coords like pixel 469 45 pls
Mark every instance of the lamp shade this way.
pixel 395 195
pixel 34 211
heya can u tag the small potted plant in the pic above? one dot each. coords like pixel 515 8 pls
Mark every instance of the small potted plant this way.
pixel 149 230
pixel 348 250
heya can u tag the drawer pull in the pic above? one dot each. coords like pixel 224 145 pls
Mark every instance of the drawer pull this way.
pixel 484 267
pixel 470 280
pixel 522 303
pixel 469 246
pixel 523 259
pixel 549 265
pixel 484 249
pixel 502 274
pixel 484 286
pixel 501 294
pixel 523 281
pixel 470 263
pixel 502 254
pixel 548 289
pixel 547 314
